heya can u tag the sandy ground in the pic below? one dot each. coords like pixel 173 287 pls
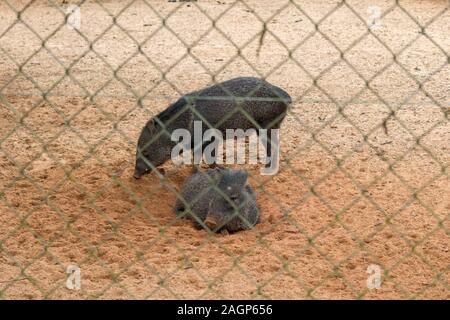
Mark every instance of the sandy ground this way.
pixel 353 189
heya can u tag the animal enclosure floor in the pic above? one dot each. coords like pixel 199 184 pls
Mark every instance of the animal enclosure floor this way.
pixel 353 189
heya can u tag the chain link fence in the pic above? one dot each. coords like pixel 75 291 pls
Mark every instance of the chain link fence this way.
pixel 359 208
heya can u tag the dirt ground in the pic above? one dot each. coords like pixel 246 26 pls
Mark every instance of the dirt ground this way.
pixel 353 189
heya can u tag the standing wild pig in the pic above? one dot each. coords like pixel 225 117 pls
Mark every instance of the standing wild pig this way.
pixel 220 198
pixel 240 103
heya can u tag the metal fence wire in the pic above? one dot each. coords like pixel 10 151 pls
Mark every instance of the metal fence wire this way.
pixel 52 235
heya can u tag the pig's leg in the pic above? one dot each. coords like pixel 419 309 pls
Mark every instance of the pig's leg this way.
pixel 269 142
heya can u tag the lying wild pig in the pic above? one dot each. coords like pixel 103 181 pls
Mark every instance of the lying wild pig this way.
pixel 219 198
pixel 240 103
